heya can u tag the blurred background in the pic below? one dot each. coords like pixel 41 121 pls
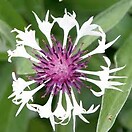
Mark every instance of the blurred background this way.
pixel 115 19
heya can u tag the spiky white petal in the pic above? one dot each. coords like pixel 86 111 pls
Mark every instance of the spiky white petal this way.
pixel 45 26
pixel 67 22
pixel 102 45
pixel 69 109
pixel 67 112
pixel 78 110
pixel 19 85
pixel 104 75
pixel 24 97
pixel 117 69
pixel 20 51
pixel 26 38
pixel 60 111
pixel 45 110
pixel 87 29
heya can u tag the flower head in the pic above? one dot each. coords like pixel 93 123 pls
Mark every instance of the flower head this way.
pixel 59 69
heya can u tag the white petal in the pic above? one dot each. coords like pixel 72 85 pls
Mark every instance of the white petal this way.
pixel 88 72
pixel 97 94
pixel 60 111
pixel 20 108
pixel 68 110
pixel 19 85
pixel 82 117
pixel 102 44
pixel 14 76
pixel 104 76
pixel 107 60
pixel 27 38
pixel 74 122
pixel 67 22
pixel 87 29
pixel 111 43
pixel 115 88
pixel 52 121
pixel 45 110
pixel 99 49
pixel 24 97
pixel 116 69
pixel 79 110
pixel 96 82
pixel 116 83
pixel 45 26
pixel 20 52
pixel 92 109
pixel 112 77
pixel 30 107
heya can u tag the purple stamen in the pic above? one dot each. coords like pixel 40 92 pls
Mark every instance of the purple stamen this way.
pixel 60 68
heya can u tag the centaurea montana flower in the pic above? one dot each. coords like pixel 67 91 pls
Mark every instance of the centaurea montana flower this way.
pixel 60 69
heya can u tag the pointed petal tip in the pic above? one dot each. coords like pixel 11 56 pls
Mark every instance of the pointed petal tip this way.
pixel 47 16
pixel 97 94
pixel 33 12
pixel 9 60
pixel 107 60
pixel 9 96
pixel 13 30
pixel 65 10
pixel 17 114
pixel 92 17
pixel 119 36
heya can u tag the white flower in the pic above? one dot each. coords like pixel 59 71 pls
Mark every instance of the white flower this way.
pixel 58 69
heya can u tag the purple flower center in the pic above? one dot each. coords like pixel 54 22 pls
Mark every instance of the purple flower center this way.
pixel 59 69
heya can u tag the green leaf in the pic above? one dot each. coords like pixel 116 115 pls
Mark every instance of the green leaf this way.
pixel 10 15
pixel 66 128
pixel 24 66
pixel 126 119
pixel 8 121
pixel 113 101
pixel 36 124
pixel 108 19
pixel 123 28
pixel 5 72
pixel 7 40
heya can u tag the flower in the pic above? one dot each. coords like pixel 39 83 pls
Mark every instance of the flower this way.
pixel 59 69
